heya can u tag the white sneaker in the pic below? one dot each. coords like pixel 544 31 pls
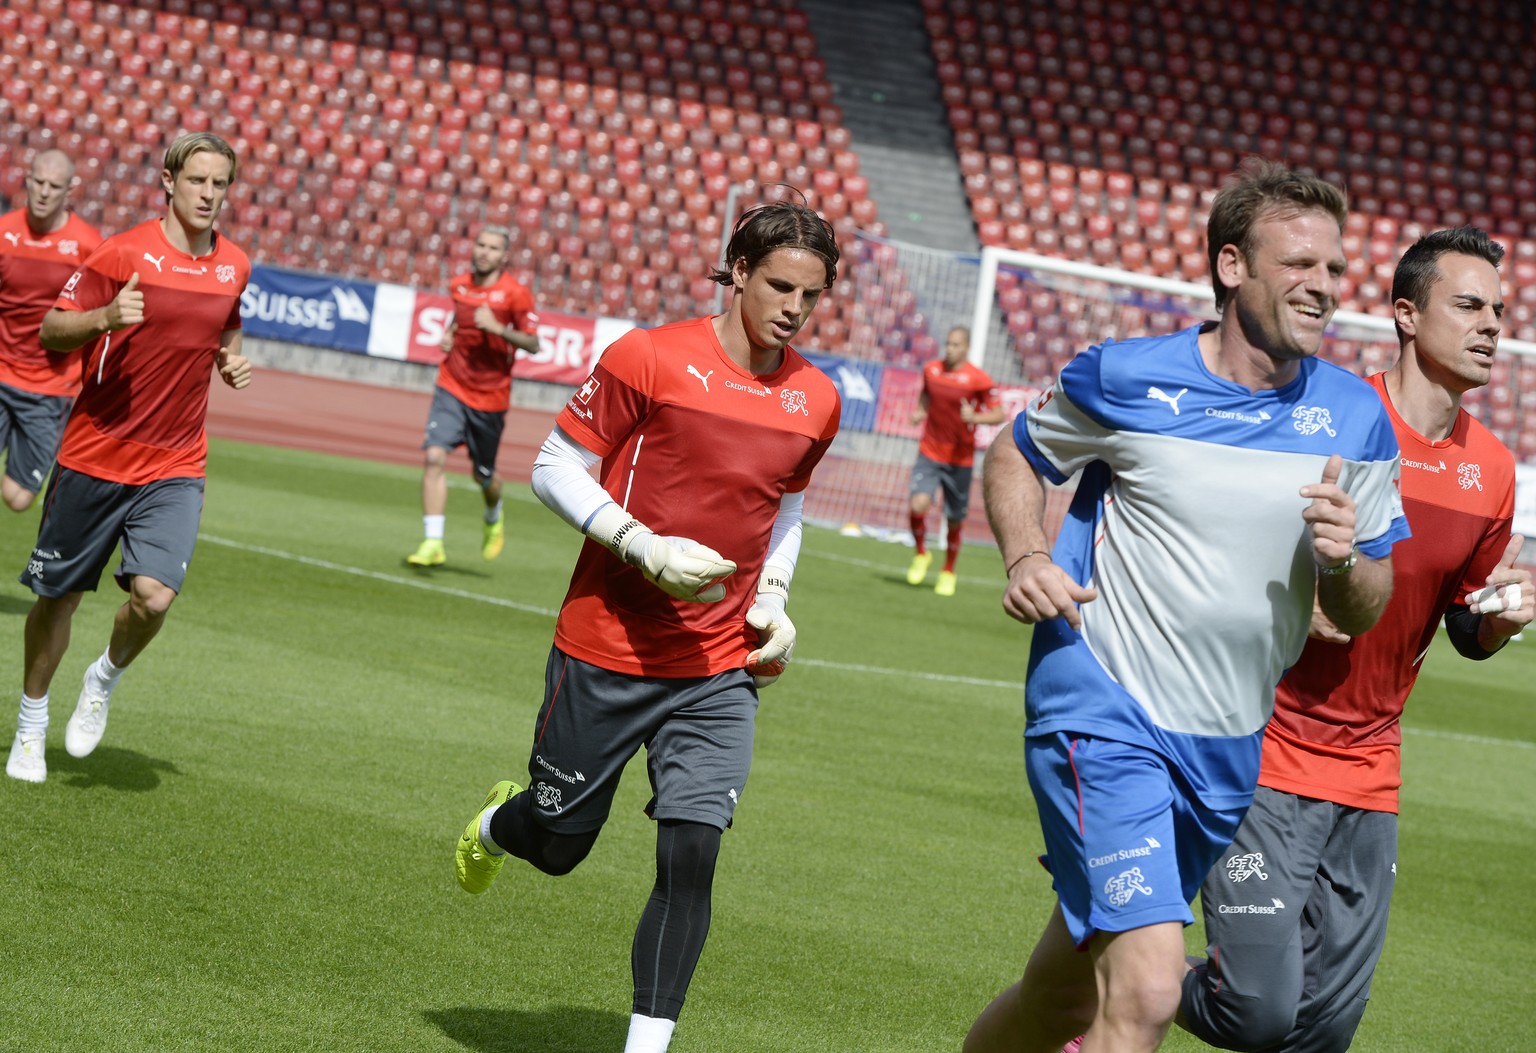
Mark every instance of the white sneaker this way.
pixel 26 761
pixel 89 723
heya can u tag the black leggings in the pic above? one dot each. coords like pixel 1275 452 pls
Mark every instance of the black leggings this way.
pixel 670 936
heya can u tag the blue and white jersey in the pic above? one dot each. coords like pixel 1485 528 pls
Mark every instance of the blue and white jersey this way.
pixel 1187 520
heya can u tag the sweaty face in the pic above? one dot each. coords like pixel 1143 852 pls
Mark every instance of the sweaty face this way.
pixel 1289 288
pixel 778 295
pixel 488 254
pixel 47 192
pixel 1457 333
pixel 199 190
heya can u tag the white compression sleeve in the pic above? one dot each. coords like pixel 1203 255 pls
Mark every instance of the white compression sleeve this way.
pixel 562 479
pixel 784 541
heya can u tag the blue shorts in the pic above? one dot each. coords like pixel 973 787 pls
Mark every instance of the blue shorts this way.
pixel 1127 843
pixel 451 424
pixel 85 518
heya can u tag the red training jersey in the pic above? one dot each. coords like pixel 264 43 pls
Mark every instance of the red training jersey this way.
pixel 946 438
pixel 141 411
pixel 32 271
pixel 1334 735
pixel 478 369
pixel 694 446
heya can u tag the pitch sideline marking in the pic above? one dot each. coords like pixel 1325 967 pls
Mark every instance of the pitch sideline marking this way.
pixel 845 667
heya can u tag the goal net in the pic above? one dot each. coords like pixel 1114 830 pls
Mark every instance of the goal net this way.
pixel 1028 315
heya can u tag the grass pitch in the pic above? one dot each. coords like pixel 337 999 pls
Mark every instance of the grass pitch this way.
pixel 258 857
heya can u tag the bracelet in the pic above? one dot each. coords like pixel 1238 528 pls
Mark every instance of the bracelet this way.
pixel 1346 566
pixel 1025 555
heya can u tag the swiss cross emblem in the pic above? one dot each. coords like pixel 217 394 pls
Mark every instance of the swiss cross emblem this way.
pixel 588 389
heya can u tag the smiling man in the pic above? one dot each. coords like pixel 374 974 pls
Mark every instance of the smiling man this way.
pixel 1296 914
pixel 707 432
pixel 157 310
pixel 1180 588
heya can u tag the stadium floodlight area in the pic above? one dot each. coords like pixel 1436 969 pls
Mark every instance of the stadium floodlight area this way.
pixel 1028 315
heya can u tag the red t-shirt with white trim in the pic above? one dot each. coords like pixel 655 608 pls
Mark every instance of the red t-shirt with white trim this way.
pixel 478 369
pixel 142 408
pixel 1334 735
pixel 694 446
pixel 32 271
pixel 947 438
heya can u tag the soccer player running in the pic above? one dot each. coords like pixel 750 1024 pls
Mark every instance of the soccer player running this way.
pixel 157 309
pixel 493 318
pixel 1227 476
pixel 707 432
pixel 957 395
pixel 1296 913
pixel 41 245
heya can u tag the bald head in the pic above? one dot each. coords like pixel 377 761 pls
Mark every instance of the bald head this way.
pixel 48 185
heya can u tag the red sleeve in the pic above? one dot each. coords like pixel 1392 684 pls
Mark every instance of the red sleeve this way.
pixel 98 280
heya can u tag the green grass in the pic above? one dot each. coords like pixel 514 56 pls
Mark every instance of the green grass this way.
pixel 258 856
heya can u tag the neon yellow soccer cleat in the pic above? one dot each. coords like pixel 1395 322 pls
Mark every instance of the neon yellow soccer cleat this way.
pixel 946 583
pixel 430 554
pixel 919 568
pixel 475 867
pixel 490 545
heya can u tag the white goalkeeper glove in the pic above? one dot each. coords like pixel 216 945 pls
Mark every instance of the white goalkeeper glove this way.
pixel 678 566
pixel 776 633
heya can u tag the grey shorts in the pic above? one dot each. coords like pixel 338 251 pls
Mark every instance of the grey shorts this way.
pixel 697 734
pixel 451 424
pixel 85 518
pixel 929 475
pixel 30 427
pixel 1295 920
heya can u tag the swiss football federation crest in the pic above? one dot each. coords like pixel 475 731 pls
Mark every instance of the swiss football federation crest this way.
pixel 793 402
pixel 1470 475
pixel 1124 885
pixel 1246 865
pixel 225 272
pixel 549 797
pixel 69 247
pixel 1309 420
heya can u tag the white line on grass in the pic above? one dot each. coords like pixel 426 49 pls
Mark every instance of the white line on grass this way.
pixel 847 667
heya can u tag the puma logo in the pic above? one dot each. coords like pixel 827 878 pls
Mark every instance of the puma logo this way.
pixel 703 377
pixel 156 261
pixel 13 237
pixel 1162 396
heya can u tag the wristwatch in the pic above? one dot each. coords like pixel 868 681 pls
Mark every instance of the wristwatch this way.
pixel 1346 566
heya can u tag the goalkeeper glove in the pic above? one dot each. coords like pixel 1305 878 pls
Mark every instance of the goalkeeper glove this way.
pixel 776 633
pixel 678 566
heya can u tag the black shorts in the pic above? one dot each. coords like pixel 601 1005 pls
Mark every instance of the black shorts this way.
pixel 929 475
pixel 85 518
pixel 697 734
pixel 30 428
pixel 451 424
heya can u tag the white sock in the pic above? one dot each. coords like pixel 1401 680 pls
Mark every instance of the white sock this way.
pixel 485 834
pixel 493 514
pixel 103 669
pixel 649 1034
pixel 34 714
pixel 433 525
